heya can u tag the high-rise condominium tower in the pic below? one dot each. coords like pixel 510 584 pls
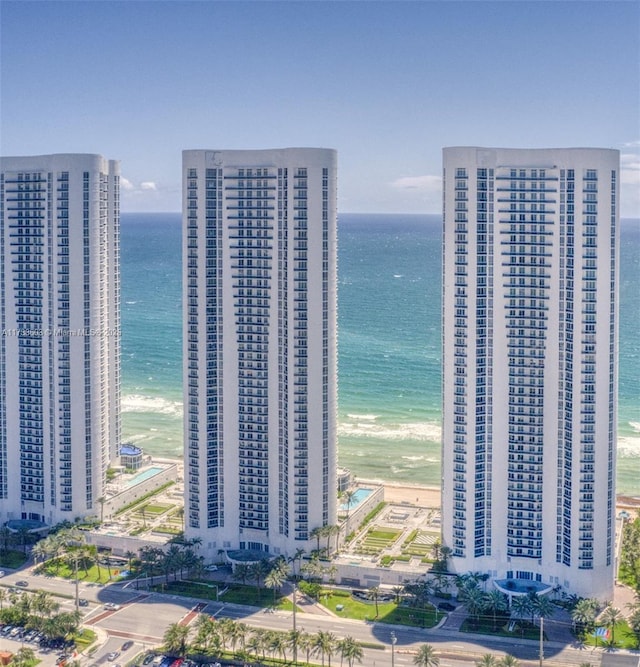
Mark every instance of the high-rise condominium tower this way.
pixel 60 343
pixel 530 370
pixel 259 271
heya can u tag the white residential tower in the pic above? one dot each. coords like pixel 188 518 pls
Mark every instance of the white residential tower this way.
pixel 259 281
pixel 530 365
pixel 60 343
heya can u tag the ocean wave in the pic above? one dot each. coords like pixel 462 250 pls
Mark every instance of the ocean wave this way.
pixel 148 404
pixel 635 426
pixel 629 447
pixel 364 417
pixel 409 431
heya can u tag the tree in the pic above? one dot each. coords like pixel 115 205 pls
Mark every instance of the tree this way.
pixel 274 580
pixel 257 572
pixel 373 594
pixel 610 616
pixel 324 644
pixel 509 661
pixel 350 650
pixel 241 573
pixel 347 500
pixel 487 660
pixel 426 657
pixel 584 615
pixel 317 533
pixel 474 601
pixel 175 639
pixel 496 603
pixel 543 607
pixel 130 555
pixel 278 644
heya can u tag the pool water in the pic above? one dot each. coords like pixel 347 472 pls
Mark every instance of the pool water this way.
pixel 358 496
pixel 144 475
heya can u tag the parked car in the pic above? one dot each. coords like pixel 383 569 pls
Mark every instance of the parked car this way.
pixel 113 656
pixel 211 568
pixel 83 603
pixel 148 658
pixel 126 646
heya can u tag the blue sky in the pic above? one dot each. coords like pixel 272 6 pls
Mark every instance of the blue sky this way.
pixel 387 84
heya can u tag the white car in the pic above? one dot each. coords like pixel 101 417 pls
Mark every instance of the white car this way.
pixel 111 606
pixel 211 568
pixel 2 573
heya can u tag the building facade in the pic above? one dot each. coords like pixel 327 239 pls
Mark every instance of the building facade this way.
pixel 60 343
pixel 530 365
pixel 260 374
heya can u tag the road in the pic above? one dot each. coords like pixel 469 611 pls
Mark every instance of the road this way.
pixel 143 618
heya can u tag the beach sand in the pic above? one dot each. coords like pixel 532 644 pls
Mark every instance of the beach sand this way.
pixel 430 496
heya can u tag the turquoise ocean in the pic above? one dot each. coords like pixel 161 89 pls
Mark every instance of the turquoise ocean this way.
pixel 389 344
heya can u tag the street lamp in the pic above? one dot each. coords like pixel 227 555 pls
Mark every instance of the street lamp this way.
pixel 394 639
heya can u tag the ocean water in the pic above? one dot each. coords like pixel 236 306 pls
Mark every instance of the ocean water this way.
pixel 389 344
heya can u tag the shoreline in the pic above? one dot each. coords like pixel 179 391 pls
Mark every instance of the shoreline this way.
pixel 423 495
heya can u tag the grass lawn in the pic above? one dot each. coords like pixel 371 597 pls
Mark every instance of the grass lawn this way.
pixel 622 634
pixel 236 594
pixel 154 508
pixel 93 574
pixel 388 612
pixel 12 559
pixel 485 626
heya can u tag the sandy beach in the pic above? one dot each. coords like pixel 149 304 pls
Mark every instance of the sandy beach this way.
pixel 430 496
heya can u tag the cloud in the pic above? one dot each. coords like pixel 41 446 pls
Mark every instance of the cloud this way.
pixel 126 184
pixel 148 185
pixel 427 183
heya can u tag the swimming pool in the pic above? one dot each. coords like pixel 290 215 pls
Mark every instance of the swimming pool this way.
pixel 143 475
pixel 359 495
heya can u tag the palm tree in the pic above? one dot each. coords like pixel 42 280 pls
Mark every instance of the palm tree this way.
pixel 274 580
pixel 207 637
pixel 487 660
pixel 584 615
pixel 306 644
pixel 175 639
pixel 496 603
pixel 129 555
pixel 237 632
pixel 543 607
pixel 509 661
pixel 241 572
pixel 325 643
pixel 610 616
pixel 426 657
pixel 278 644
pixel 474 601
pixel 3 597
pixel 372 594
pixel 297 556
pixel 257 571
pixel 294 642
pixel 255 644
pixel 347 499
pixel 350 650
pixel 397 592
pixel 317 533
pixel 445 553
